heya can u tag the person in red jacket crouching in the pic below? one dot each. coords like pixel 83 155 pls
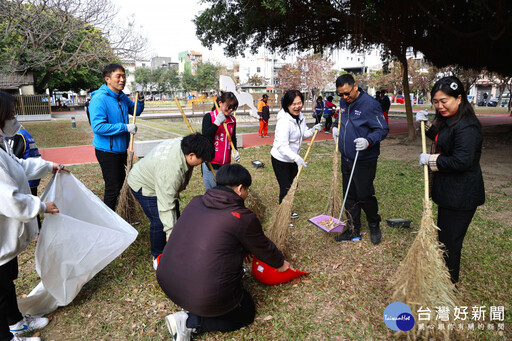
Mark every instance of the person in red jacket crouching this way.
pixel 201 268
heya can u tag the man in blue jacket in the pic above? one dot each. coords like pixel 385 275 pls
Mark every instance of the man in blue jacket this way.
pixel 362 128
pixel 109 109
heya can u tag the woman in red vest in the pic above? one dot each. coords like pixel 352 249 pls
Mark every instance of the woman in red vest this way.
pixel 213 128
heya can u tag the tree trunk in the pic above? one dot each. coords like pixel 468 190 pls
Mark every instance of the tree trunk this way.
pixel 39 88
pixel 407 98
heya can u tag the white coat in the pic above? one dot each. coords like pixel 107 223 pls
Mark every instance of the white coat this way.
pixel 288 137
pixel 18 208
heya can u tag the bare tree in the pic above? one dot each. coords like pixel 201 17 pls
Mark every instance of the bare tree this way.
pixel 44 36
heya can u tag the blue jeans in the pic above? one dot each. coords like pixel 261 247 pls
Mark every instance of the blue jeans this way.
pixel 157 236
pixel 207 177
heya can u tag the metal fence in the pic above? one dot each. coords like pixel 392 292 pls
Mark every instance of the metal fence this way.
pixel 33 105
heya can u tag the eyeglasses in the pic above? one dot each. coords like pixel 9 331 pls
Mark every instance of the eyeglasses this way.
pixel 346 94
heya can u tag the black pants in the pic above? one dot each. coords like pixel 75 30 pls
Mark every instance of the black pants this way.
pixel 113 167
pixel 328 123
pixel 285 173
pixel 362 193
pixel 9 312
pixel 318 118
pixel 453 226
pixel 237 318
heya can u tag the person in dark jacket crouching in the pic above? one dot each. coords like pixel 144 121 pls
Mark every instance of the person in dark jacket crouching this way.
pixel 201 267
pixel 458 186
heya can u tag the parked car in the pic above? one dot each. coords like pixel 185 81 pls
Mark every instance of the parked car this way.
pixel 399 99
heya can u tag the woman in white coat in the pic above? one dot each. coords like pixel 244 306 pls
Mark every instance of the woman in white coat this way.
pixel 18 227
pixel 291 129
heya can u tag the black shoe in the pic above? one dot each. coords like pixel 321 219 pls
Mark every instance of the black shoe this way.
pixel 375 234
pixel 294 215
pixel 348 236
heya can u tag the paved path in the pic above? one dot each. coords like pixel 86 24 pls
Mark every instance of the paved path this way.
pixel 85 154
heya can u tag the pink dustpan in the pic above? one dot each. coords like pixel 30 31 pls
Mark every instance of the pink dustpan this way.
pixel 269 275
pixel 339 226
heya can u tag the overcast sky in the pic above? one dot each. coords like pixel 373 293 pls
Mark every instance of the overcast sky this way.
pixel 168 26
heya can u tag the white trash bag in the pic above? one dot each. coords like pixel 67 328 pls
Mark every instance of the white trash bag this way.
pixel 74 245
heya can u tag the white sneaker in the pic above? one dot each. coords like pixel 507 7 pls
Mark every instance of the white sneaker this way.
pixel 177 325
pixel 294 215
pixel 29 323
pixel 19 338
pixel 155 263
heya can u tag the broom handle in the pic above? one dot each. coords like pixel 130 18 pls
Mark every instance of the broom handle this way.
pixel 425 167
pixel 130 146
pixel 191 130
pixel 307 152
pixel 348 186
pixel 338 137
pixel 226 128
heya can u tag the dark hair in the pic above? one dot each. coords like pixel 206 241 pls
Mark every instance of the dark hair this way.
pixel 453 87
pixel 377 93
pixel 289 97
pixel 346 78
pixel 107 71
pixel 330 98
pixel 7 103
pixel 233 174
pixel 199 145
pixel 264 96
pixel 319 98
pixel 226 97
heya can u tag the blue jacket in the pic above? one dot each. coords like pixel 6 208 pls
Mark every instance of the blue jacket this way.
pixel 109 116
pixel 362 118
pixel 24 146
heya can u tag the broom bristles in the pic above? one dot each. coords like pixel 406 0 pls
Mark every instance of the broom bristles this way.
pixel 126 204
pixel 255 204
pixel 278 231
pixel 423 280
pixel 333 205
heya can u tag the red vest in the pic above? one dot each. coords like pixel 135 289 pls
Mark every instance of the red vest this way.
pixel 221 142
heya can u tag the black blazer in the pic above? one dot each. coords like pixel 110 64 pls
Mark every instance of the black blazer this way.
pixel 458 184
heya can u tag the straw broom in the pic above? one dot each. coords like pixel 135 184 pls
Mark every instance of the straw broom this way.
pixel 127 205
pixel 423 279
pixel 278 231
pixel 334 201
pixel 253 200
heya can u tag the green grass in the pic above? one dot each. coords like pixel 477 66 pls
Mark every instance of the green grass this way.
pixel 348 287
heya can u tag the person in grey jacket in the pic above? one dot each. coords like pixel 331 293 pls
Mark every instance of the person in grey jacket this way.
pixel 18 227
pixel 201 268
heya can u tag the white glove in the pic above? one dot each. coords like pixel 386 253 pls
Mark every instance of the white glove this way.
pixel 131 128
pixel 236 155
pixel 361 143
pixel 219 119
pixel 422 116
pixel 424 157
pixel 335 133
pixel 300 162
pixel 317 126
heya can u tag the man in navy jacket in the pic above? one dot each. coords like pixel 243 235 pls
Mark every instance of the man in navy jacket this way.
pixel 362 128
pixel 109 110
